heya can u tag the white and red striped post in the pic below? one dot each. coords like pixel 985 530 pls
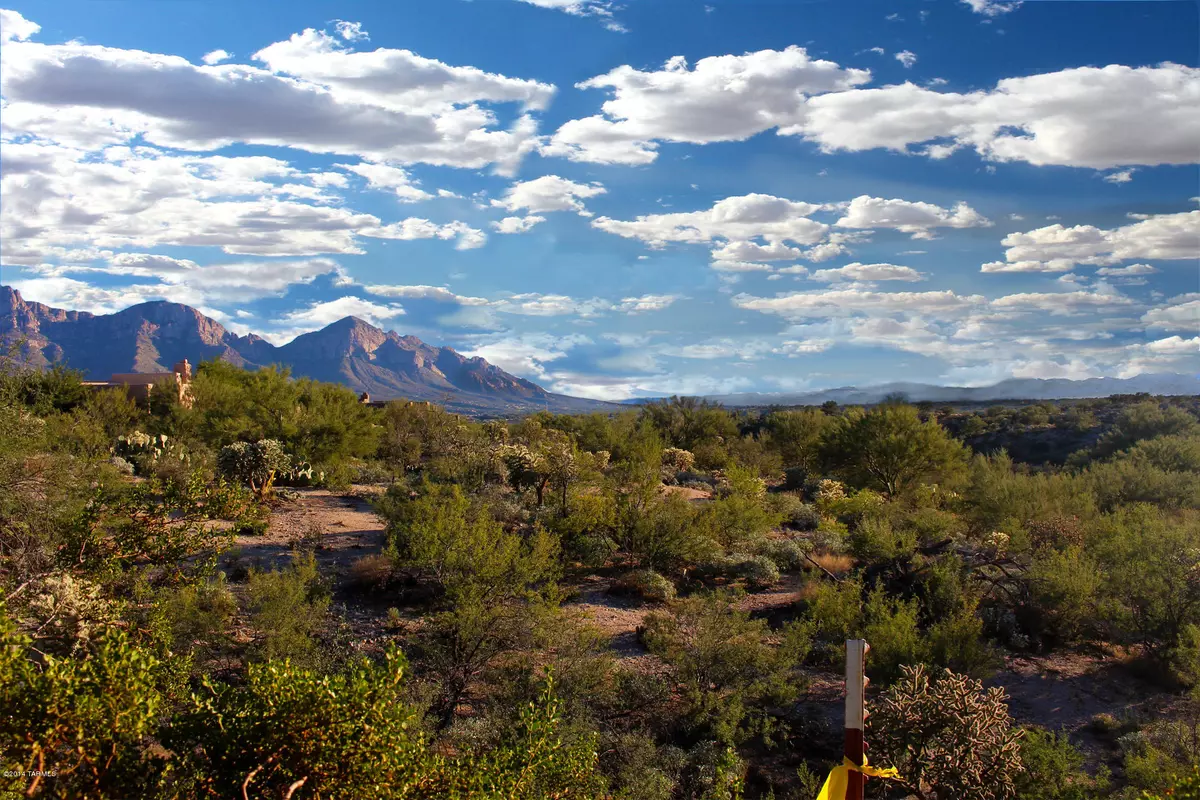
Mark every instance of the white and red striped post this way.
pixel 856 684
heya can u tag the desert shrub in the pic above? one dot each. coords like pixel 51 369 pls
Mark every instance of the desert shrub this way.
pixel 152 523
pixel 805 518
pixel 225 500
pixel 891 626
pixel 462 550
pixel 875 539
pixel 344 733
pixel 833 613
pixel 948 738
pixel 1143 421
pixel 588 529
pixel 370 573
pixel 251 526
pixel 956 641
pixel 851 509
pixel 797 436
pixel 1184 787
pixel 83 719
pixel 664 534
pixel 638 769
pixel 122 466
pixel 197 616
pixel 1129 480
pixel 999 498
pixel 757 572
pixel 1168 453
pixel 712 771
pixel 737 520
pixel 288 608
pixel 1064 588
pixel 793 512
pixel 1151 594
pixel 942 586
pixel 490 580
pixel 645 584
pixel 1160 753
pixel 369 472
pixel 1104 724
pixel 1052 769
pixel 794 478
pixel 730 669
pixel 786 555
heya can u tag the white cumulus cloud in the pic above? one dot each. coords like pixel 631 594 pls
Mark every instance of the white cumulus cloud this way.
pixel 549 193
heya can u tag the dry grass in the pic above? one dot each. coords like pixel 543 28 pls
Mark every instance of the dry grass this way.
pixel 370 572
pixel 837 564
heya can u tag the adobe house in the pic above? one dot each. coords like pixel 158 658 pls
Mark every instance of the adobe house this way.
pixel 139 385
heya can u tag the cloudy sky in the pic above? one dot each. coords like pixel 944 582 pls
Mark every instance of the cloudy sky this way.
pixel 631 198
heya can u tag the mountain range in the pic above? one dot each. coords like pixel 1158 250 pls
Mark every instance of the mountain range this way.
pixel 150 337
pixel 1161 383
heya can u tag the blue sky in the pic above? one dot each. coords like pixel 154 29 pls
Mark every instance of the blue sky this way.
pixel 626 199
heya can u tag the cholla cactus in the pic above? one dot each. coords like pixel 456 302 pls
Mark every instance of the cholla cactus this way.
pixel 523 465
pixel 600 460
pixel 997 540
pixel 70 609
pixel 948 738
pixel 677 459
pixel 829 490
pixel 255 464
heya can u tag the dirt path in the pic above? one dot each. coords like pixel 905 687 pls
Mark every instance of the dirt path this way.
pixel 339 527
pixel 1064 691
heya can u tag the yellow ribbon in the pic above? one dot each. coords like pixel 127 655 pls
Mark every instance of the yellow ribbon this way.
pixel 839 777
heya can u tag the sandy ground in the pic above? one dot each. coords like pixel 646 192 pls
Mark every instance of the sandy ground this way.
pixel 340 527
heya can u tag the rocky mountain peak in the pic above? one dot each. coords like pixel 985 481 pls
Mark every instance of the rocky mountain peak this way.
pixel 149 337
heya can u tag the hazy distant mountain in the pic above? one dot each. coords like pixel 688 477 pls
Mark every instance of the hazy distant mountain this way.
pixel 152 336
pixel 1168 383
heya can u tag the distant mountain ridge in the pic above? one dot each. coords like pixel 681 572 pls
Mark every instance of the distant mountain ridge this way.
pixel 149 337
pixel 1166 383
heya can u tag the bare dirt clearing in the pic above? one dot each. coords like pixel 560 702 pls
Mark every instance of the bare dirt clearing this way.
pixel 339 527
pixel 1063 691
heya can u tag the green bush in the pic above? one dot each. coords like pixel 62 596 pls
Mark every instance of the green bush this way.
pixel 288 608
pixel 645 584
pixel 1052 769
pixel 1064 587
pixel 664 534
pixel 83 719
pixel 874 539
pixel 730 670
pixel 757 571
pixel 890 626
pixel 786 555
